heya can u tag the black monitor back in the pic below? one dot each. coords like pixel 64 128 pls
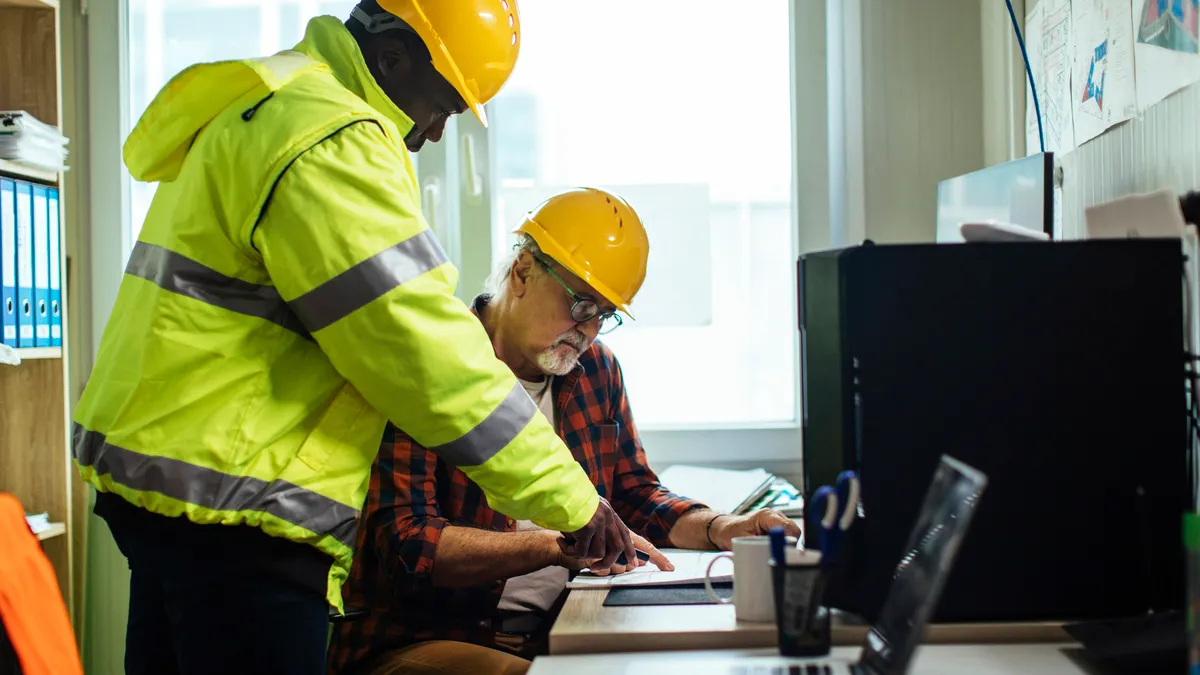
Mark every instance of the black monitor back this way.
pixel 1055 368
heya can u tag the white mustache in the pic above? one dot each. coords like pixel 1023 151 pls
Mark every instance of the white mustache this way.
pixel 573 338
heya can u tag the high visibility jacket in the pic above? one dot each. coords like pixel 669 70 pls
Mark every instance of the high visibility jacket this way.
pixel 284 298
pixel 33 617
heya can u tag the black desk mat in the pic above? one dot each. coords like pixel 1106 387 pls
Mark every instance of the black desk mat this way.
pixel 682 594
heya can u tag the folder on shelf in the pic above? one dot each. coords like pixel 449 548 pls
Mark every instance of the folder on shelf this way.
pixel 8 262
pixel 24 264
pixel 41 267
pixel 55 269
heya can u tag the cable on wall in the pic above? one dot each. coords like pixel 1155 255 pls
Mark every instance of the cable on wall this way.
pixel 1037 108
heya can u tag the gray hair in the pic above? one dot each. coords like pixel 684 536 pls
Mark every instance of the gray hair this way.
pixel 497 283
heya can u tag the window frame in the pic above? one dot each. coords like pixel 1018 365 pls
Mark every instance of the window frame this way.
pixel 826 80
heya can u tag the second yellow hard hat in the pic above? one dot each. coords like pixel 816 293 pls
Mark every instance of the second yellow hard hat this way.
pixel 598 236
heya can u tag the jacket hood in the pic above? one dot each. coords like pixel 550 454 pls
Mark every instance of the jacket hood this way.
pixel 162 138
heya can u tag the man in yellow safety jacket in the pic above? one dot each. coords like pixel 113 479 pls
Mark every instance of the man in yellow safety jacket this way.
pixel 285 299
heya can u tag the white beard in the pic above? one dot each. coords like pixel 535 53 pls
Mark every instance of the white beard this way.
pixel 558 361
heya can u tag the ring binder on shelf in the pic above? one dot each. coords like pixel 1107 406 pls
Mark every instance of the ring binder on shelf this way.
pixel 56 279
pixel 41 268
pixel 8 262
pixel 24 193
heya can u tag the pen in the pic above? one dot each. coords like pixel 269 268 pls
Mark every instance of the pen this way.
pixel 777 542
pixel 641 555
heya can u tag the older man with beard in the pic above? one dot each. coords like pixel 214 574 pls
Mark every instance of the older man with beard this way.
pixel 454 586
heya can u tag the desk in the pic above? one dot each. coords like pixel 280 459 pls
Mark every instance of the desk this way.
pixel 1016 659
pixel 586 626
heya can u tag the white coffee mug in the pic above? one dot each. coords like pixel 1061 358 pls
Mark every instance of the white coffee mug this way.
pixel 753 597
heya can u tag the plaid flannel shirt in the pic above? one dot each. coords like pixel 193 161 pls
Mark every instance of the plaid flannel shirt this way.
pixel 413 495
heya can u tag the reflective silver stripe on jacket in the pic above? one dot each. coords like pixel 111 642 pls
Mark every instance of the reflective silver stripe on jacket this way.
pixel 368 280
pixel 215 490
pixel 180 274
pixel 492 434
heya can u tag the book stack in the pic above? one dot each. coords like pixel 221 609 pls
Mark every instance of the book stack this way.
pixel 26 140
pixel 735 492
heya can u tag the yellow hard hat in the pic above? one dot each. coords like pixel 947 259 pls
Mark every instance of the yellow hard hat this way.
pixel 598 236
pixel 473 43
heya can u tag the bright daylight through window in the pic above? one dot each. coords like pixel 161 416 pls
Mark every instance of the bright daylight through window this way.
pixel 681 106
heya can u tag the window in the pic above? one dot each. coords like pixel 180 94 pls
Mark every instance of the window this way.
pixel 166 36
pixel 683 108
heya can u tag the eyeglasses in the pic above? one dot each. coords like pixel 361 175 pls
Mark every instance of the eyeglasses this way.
pixel 584 309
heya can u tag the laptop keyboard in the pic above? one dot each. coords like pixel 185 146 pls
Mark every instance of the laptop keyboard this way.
pixel 807 669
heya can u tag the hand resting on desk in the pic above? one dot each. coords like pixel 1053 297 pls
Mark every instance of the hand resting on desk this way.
pixel 692 530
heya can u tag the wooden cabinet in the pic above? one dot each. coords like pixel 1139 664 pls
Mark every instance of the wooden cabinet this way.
pixel 35 456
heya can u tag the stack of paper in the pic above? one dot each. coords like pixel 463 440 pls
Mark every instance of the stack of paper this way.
pixel 39 522
pixel 26 140
pixel 689 569
pixel 782 497
pixel 722 490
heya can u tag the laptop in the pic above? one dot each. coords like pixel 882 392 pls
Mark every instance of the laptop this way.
pixel 892 641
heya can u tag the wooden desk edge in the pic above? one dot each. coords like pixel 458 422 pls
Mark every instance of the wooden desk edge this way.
pixel 570 637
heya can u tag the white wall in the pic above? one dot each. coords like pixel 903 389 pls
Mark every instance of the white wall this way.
pixel 911 113
pixel 1003 83
pixel 1156 150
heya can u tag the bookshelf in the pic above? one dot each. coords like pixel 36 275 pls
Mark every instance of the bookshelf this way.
pixel 35 455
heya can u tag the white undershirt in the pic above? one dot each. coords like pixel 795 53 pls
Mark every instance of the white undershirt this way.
pixel 542 395
pixel 538 590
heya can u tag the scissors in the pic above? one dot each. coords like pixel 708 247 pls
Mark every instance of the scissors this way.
pixel 833 512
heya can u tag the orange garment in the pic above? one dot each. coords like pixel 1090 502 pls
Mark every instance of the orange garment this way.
pixel 31 605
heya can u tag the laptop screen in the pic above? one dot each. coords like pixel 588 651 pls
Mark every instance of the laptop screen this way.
pixel 922 571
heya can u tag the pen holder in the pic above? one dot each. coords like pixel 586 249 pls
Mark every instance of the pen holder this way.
pixel 798 585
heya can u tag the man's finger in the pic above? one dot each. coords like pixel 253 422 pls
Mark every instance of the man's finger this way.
pixel 656 556
pixel 624 541
pixel 569 561
pixel 627 541
pixel 790 527
pixel 612 549
pixel 583 542
pixel 661 561
pixel 598 551
pixel 614 544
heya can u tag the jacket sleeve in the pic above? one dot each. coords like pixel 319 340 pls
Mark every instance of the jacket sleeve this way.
pixel 344 241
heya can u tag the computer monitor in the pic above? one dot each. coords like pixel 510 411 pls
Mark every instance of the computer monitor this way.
pixel 1020 192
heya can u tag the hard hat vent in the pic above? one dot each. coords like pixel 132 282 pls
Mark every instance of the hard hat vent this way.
pixel 511 19
pixel 620 220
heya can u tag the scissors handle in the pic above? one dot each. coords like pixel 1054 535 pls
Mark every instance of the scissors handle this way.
pixel 848 488
pixel 824 507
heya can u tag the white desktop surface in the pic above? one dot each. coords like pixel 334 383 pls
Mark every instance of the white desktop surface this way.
pixel 986 659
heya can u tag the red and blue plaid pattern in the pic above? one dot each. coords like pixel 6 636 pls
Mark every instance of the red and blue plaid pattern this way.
pixel 413 495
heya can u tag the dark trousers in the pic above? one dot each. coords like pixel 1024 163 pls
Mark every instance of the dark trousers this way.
pixel 205 612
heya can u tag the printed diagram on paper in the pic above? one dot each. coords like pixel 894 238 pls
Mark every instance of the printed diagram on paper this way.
pixel 1103 83
pixel 1048 41
pixel 1166 49
pixel 1170 24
